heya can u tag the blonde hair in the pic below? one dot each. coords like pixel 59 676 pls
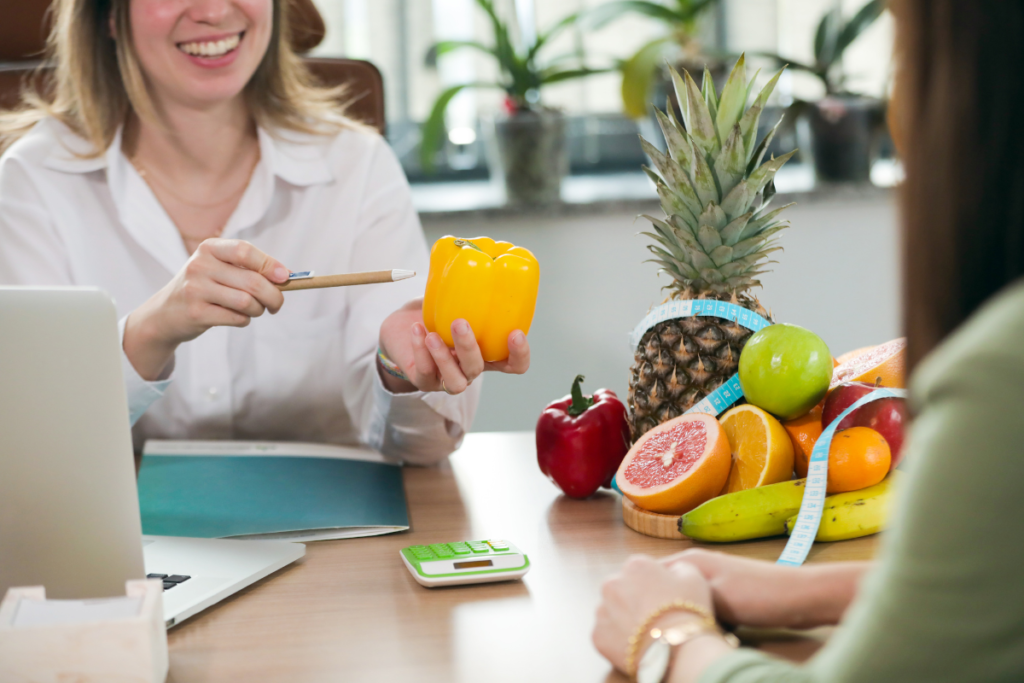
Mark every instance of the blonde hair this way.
pixel 90 81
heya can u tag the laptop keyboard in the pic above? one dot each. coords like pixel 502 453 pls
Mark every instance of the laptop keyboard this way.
pixel 170 580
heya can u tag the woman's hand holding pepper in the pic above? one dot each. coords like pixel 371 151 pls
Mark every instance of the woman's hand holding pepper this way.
pixel 427 361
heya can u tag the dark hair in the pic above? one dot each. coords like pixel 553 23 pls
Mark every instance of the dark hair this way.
pixel 959 98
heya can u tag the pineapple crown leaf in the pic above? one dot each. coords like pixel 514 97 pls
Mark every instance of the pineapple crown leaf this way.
pixel 714 185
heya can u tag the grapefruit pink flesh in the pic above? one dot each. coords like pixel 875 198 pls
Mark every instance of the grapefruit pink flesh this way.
pixel 676 466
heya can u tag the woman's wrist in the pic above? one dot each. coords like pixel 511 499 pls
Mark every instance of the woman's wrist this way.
pixel 148 352
pixel 391 375
pixel 825 592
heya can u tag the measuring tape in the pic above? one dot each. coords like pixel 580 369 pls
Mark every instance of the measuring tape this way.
pixel 813 503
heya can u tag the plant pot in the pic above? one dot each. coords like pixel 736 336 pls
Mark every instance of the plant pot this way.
pixel 844 132
pixel 530 154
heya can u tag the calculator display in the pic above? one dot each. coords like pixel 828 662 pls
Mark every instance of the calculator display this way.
pixel 474 564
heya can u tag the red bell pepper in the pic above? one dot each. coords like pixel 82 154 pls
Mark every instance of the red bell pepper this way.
pixel 581 440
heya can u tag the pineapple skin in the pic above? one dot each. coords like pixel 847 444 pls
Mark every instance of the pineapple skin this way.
pixel 679 362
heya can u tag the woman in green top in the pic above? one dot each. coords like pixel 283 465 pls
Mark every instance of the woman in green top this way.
pixel 945 599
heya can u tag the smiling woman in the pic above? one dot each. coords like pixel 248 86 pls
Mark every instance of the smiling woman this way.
pixel 181 145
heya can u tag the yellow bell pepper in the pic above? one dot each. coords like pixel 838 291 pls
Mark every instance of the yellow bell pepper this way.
pixel 492 285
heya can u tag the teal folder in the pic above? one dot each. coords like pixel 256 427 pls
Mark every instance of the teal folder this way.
pixel 282 497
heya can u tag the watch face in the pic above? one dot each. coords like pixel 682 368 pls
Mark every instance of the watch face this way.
pixel 654 663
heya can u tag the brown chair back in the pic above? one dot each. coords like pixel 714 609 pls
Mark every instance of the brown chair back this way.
pixel 364 92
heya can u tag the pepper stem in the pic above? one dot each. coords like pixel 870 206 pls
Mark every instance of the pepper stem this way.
pixel 580 403
pixel 467 243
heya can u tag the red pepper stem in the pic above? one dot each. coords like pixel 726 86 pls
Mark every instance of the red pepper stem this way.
pixel 580 403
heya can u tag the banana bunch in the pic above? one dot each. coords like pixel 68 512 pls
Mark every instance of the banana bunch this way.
pixel 772 511
pixel 854 514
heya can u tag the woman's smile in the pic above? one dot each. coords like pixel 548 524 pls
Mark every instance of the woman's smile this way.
pixel 213 51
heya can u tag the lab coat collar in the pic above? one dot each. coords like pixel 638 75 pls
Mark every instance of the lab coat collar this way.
pixel 294 158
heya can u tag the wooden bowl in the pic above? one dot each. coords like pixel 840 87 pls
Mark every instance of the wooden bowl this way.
pixel 650 523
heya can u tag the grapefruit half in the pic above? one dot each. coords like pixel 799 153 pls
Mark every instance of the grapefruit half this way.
pixel 884 364
pixel 676 466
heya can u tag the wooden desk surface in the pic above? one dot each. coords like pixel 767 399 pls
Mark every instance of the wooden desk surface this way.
pixel 350 611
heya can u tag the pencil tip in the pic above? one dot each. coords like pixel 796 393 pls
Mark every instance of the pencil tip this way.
pixel 399 274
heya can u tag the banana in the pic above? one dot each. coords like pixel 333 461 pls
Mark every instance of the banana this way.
pixel 740 516
pixel 854 514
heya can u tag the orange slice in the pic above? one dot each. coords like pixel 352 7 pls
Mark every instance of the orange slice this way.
pixel 676 466
pixel 803 433
pixel 884 364
pixel 762 452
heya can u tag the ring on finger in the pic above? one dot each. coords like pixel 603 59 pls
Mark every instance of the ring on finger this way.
pixel 445 389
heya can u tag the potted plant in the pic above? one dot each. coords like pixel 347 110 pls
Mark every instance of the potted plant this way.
pixel 530 138
pixel 644 75
pixel 843 124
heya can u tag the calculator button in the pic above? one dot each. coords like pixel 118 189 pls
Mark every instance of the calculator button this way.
pixel 460 548
pixel 442 549
pixel 499 545
pixel 478 547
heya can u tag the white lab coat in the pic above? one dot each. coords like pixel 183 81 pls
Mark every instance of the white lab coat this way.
pixel 329 204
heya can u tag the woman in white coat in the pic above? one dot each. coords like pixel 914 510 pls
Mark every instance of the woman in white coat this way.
pixel 183 163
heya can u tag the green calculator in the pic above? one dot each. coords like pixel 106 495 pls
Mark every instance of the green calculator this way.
pixel 464 562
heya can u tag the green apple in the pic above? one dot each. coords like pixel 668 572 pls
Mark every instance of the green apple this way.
pixel 786 370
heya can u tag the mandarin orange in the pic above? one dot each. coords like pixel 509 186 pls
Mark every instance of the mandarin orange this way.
pixel 804 432
pixel 858 457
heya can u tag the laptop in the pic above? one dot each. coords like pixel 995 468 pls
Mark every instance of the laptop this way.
pixel 69 508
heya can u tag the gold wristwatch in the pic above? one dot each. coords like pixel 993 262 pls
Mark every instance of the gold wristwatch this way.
pixel 657 660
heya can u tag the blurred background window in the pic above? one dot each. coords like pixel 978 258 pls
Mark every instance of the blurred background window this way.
pixel 397 35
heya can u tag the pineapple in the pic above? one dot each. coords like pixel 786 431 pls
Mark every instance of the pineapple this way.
pixel 714 240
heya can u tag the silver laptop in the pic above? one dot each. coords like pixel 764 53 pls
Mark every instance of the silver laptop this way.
pixel 69 509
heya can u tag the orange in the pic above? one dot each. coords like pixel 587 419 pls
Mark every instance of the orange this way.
pixel 858 457
pixel 762 453
pixel 850 354
pixel 676 466
pixel 882 365
pixel 804 432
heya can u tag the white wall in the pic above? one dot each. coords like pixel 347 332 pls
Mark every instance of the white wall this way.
pixel 837 276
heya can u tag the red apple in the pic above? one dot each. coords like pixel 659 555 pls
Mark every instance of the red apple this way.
pixel 841 398
pixel 888 417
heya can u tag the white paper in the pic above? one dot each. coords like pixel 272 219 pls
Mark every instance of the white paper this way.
pixel 30 612
pixel 274 448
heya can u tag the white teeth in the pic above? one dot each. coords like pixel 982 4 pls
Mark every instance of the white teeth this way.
pixel 212 48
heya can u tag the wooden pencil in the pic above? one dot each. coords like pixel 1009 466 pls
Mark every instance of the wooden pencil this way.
pixel 346 279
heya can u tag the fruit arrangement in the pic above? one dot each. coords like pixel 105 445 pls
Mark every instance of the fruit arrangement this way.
pixel 739 474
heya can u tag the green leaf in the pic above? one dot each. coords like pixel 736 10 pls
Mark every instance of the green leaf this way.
pixel 703 181
pixel 721 255
pixel 731 163
pixel 739 200
pixel 826 38
pixel 685 231
pixel 604 14
pixel 732 233
pixel 676 140
pixel 860 22
pixel 675 177
pixel 638 74
pixel 432 131
pixel 709 238
pixel 548 77
pixel 712 275
pixel 758 155
pixel 750 118
pixel 762 220
pixel 714 218
pixel 702 262
pixel 544 37
pixel 734 94
pixel 707 91
pixel 446 46
pixel 679 86
pixel 700 125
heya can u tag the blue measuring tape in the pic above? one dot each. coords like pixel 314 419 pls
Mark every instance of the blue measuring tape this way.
pixel 813 503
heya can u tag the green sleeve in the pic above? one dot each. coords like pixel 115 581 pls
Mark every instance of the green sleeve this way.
pixel 945 601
